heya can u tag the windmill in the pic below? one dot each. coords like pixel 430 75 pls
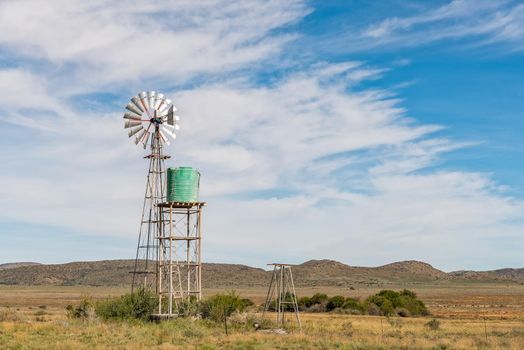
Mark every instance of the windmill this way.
pixel 168 259
pixel 151 121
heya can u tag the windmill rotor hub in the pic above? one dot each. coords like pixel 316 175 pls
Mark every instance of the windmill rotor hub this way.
pixel 156 120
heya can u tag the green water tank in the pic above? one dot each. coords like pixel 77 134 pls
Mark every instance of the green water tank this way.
pixel 182 184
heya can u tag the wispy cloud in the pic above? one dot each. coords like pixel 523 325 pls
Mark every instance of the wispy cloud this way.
pixel 481 22
pixel 103 42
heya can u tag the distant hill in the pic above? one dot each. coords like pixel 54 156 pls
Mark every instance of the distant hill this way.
pixel 17 264
pixel 496 275
pixel 310 273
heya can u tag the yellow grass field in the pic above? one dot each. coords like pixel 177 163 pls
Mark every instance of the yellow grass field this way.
pixel 475 316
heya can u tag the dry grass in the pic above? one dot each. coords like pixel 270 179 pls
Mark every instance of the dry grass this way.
pixel 483 317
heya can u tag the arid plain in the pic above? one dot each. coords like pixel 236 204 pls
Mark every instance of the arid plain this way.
pixel 474 313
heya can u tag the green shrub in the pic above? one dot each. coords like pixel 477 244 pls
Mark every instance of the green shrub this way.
pixel 392 296
pixel 139 304
pixel 246 303
pixel 408 293
pixel 353 304
pixel 384 304
pixel 319 298
pixel 220 306
pixel 189 307
pixel 404 303
pixel 415 306
pixel 335 302
pixel 304 303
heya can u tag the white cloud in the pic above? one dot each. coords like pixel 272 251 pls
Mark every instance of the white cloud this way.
pixel 484 22
pixel 108 42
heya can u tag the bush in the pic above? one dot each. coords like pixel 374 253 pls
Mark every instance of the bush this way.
pixel 139 304
pixel 353 304
pixel 220 306
pixel 246 302
pixel 189 307
pixel 384 304
pixel 335 302
pixel 304 303
pixel 433 324
pixel 392 296
pixel 402 312
pixel 372 309
pixel 317 308
pixel 403 304
pixel 84 310
pixel 319 298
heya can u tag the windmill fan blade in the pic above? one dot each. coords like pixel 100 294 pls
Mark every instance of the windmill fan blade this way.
pixel 146 139
pixel 158 101
pixel 132 123
pixel 170 132
pixel 151 99
pixel 164 137
pixel 140 136
pixel 165 106
pixel 136 101
pixel 143 100
pixel 132 116
pixel 134 131
pixel 132 108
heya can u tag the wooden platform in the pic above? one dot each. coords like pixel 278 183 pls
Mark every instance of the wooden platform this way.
pixel 181 204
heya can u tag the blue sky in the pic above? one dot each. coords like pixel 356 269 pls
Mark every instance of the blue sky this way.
pixel 366 132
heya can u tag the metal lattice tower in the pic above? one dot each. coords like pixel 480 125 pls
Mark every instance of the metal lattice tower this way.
pixel 146 261
pixel 150 118
pixel 282 292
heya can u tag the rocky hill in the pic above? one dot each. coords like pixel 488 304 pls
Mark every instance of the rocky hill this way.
pixel 310 273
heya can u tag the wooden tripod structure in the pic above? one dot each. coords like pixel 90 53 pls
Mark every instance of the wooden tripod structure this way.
pixel 282 292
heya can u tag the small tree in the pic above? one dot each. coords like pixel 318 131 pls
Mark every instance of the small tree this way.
pixel 319 298
pixel 220 306
pixel 335 302
pixel 140 304
pixel 353 304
